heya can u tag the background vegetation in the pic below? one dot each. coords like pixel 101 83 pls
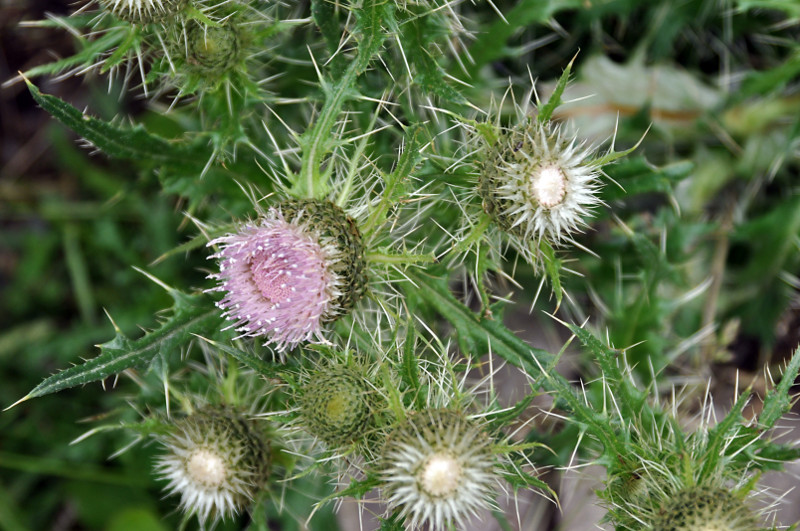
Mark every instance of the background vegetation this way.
pixel 696 259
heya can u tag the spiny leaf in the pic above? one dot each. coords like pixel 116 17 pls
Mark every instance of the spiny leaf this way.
pixel 410 363
pixel 370 22
pixel 546 111
pixel 89 53
pixel 134 143
pixel 327 20
pixel 317 142
pixel 760 83
pixel 190 314
pixel 393 523
pixel 632 401
pixel 428 75
pixel 393 183
pixel 721 435
pixel 483 334
pixel 357 489
pixel 246 358
pixel 778 402
pixel 474 328
pixel 552 267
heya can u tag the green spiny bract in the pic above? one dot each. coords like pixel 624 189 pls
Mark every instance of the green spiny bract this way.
pixel 217 460
pixel 339 405
pixel 334 224
pixel 212 50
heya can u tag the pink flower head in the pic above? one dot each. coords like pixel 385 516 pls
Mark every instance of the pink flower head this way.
pixel 278 281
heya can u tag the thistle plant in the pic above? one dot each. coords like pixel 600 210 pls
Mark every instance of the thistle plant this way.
pixel 354 209
pixel 216 461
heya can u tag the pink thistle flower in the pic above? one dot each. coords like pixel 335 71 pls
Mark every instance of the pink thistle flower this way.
pixel 278 278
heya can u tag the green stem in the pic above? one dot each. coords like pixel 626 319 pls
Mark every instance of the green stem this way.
pixel 316 140
pixel 475 234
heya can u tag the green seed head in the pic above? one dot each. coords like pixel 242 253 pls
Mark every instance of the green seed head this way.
pixel 705 509
pixel 213 49
pixel 338 405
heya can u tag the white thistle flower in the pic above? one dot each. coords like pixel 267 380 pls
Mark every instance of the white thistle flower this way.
pixel 537 182
pixel 216 461
pixel 144 11
pixel 439 469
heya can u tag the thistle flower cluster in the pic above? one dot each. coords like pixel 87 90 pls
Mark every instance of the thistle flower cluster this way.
pixel 668 480
pixel 363 389
pixel 285 275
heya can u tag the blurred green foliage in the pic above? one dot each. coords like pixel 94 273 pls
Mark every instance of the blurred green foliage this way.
pixel 697 258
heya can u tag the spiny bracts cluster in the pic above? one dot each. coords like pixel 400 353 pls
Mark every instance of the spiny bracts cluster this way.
pixel 216 460
pixel 704 509
pixel 412 196
pixel 439 469
pixel 537 182
pixel 339 404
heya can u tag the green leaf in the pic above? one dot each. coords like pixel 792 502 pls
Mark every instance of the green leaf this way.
pixel 326 18
pixel 720 436
pixel 418 39
pixel 630 400
pixel 638 176
pixel 85 472
pixel 246 358
pixel 316 142
pixel 89 53
pixel 369 30
pixel 190 314
pixel 393 523
pixel 778 402
pixel 11 518
pixel 133 143
pixel 519 479
pixel 504 418
pixel 357 489
pixel 771 80
pixel 490 45
pixel 393 189
pixel 410 365
pixel 483 334
pixel 552 268
pixel 136 520
pixel 546 110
